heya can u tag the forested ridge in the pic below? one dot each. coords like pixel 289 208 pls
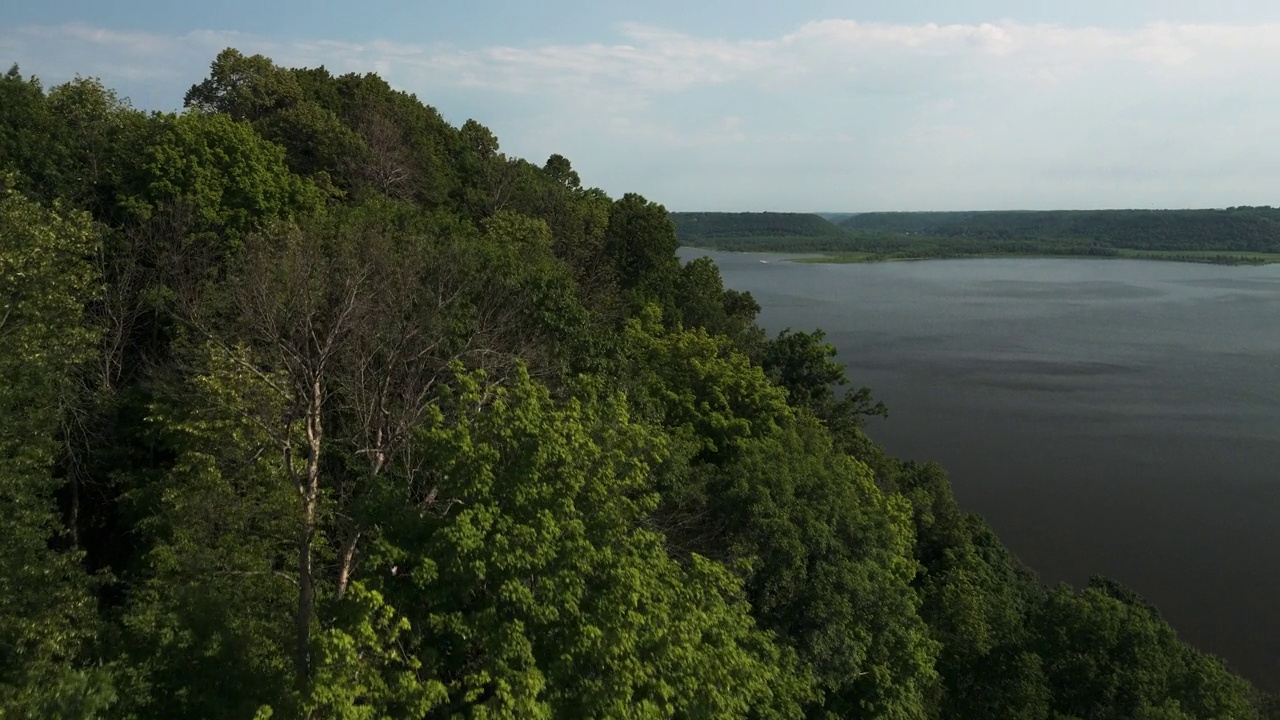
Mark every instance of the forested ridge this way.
pixel 1255 229
pixel 315 406
pixel 1230 235
pixel 695 225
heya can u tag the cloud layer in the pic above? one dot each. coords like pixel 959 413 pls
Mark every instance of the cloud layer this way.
pixel 835 115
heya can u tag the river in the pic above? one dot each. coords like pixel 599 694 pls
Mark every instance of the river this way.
pixel 1109 417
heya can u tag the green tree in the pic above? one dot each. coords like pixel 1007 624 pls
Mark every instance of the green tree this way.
pixel 407 149
pixel 642 243
pixel 29 145
pixel 231 180
pixel 975 598
pixel 276 102
pixel 831 568
pixel 1106 657
pixel 535 588
pixel 701 296
pixel 47 613
pixel 805 364
pixel 210 614
pixel 757 485
pixel 560 170
pixel 485 176
pixel 351 319
pixel 101 137
pixel 244 87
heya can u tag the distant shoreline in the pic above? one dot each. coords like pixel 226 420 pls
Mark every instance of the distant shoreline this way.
pixel 1231 236
pixel 1203 257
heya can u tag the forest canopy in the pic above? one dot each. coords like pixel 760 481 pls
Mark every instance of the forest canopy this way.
pixel 314 405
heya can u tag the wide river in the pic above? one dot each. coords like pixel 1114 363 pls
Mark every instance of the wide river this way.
pixel 1108 417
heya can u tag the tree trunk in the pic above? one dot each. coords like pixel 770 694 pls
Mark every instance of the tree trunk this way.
pixel 306 592
pixel 74 522
pixel 310 497
pixel 347 560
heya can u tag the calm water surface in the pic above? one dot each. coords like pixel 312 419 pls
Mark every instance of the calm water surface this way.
pixel 1106 416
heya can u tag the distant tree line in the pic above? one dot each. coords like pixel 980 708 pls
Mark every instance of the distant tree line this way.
pixel 1255 229
pixel 768 224
pixel 889 246
pixel 1240 234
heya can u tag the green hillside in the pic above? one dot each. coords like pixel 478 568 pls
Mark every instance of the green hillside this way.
pixel 692 227
pixel 1248 229
pixel 1246 235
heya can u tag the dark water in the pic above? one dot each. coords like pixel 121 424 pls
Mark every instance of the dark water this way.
pixel 1106 416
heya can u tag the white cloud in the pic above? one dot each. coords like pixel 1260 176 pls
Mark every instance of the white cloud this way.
pixel 836 114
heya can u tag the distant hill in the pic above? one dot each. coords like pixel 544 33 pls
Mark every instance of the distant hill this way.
pixel 693 226
pixel 1232 235
pixel 835 217
pixel 1251 229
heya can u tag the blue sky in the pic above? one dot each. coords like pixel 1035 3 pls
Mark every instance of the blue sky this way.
pixel 818 105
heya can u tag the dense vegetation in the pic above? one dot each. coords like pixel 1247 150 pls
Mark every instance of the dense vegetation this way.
pixel 699 225
pixel 1233 235
pixel 314 406
pixel 1248 229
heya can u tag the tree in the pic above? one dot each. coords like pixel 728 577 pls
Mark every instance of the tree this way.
pixel 209 612
pixel 352 320
pixel 485 176
pixel 276 101
pixel 533 586
pixel 975 598
pixel 560 170
pixel 804 364
pixel 232 180
pixel 701 297
pixel 831 568
pixel 642 243
pixel 47 617
pixel 384 161
pixel 405 149
pixel 1106 657
pixel 101 137
pixel 754 484
pixel 30 153
pixel 245 88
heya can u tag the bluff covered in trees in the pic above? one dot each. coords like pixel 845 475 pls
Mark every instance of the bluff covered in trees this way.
pixel 1236 235
pixel 693 226
pixel 1255 229
pixel 313 405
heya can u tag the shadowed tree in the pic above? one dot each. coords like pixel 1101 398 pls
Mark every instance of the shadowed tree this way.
pixel 642 243
pixel 47 610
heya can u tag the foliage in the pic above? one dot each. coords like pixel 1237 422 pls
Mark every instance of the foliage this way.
pixel 1238 228
pixel 641 242
pixel 1107 658
pixel 232 180
pixel 538 592
pixel 763 488
pixel 48 620
pixel 695 226
pixel 210 605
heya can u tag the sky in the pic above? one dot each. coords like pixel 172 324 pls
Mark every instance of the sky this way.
pixel 808 105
